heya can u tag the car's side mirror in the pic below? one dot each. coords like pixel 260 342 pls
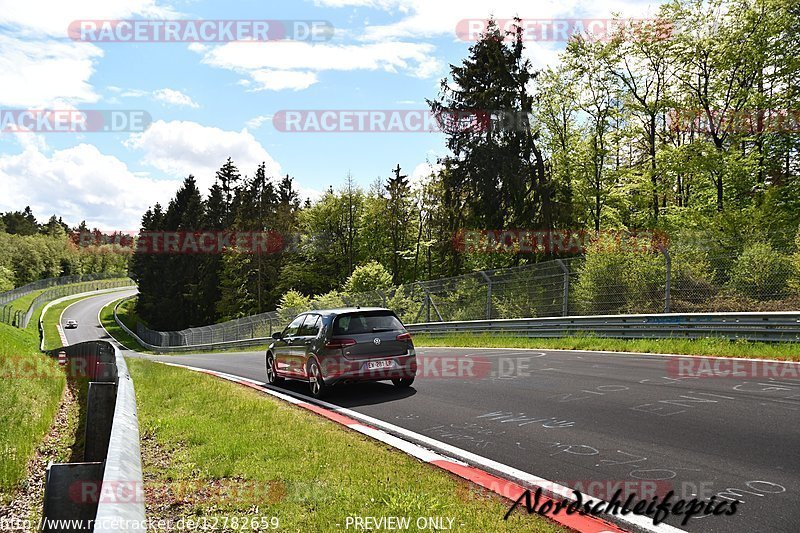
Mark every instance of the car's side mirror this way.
pixel 276 335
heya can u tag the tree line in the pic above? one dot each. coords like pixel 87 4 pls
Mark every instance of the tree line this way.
pixel 639 131
pixel 30 250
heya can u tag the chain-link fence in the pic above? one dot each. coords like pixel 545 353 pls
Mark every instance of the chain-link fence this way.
pixel 602 283
pixel 20 318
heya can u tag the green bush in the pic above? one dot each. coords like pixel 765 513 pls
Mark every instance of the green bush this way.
pixel 6 279
pixel 329 300
pixel 794 277
pixel 614 280
pixel 404 304
pixel 368 277
pixel 465 300
pixel 602 285
pixel 761 272
pixel 292 303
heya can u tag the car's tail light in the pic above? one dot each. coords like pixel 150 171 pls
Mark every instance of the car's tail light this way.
pixel 404 337
pixel 339 343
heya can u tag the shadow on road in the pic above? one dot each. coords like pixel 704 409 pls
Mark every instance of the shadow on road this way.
pixel 357 394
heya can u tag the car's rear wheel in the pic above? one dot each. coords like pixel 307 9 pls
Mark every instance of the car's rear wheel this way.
pixel 272 377
pixel 316 383
pixel 403 383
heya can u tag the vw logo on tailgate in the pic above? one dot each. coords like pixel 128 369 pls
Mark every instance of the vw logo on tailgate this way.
pixel 376 340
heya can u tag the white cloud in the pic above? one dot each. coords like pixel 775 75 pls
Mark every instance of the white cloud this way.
pixel 542 55
pixel 283 55
pixel 198 47
pixel 166 96
pixel 180 148
pixel 173 97
pixel 53 18
pixel 46 73
pixel 307 193
pixel 41 67
pixel 279 80
pixel 422 173
pixel 79 183
pixel 133 93
pixel 426 18
pixel 256 122
pixel 294 65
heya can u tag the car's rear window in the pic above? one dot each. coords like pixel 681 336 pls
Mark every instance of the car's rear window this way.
pixel 366 322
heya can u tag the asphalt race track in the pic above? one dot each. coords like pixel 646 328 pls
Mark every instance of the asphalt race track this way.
pixel 626 421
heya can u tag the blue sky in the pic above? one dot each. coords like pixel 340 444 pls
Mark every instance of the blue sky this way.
pixel 214 100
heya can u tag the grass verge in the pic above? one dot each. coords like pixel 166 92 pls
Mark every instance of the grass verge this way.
pixel 29 400
pixel 119 334
pixel 710 346
pixel 218 450
pixel 24 302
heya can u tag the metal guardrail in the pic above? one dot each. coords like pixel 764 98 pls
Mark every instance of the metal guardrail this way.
pixel 764 327
pixel 112 457
pixel 124 460
pixel 242 343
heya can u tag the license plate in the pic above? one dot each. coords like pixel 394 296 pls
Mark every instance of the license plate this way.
pixel 376 365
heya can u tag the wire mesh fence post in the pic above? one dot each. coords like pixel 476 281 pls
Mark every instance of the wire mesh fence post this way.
pixel 668 278
pixel 427 306
pixel 488 294
pixel 565 297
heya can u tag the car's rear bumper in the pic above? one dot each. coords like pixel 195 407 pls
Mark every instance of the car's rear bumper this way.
pixel 339 370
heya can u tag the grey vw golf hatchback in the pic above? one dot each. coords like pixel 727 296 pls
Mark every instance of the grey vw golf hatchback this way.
pixel 340 346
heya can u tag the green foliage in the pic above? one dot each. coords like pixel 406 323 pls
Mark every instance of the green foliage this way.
pixel 794 277
pixel 371 276
pixel 404 303
pixel 761 272
pixel 292 303
pixel 329 300
pixel 615 137
pixel 27 258
pixel 6 279
pixel 619 279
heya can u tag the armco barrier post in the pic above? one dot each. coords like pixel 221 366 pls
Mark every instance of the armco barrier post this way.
pixel 99 418
pixel 60 503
